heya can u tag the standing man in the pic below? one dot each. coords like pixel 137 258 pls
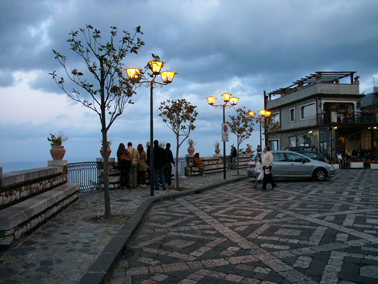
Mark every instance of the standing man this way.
pixel 134 154
pixel 233 157
pixel 168 164
pixel 159 164
pixel 267 161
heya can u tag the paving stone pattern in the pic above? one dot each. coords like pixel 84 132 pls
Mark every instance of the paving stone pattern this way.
pixel 64 248
pixel 300 232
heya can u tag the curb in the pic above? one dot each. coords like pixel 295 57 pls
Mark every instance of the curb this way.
pixel 102 268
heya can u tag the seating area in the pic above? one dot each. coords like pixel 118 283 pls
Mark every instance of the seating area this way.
pixel 31 197
pixel 214 164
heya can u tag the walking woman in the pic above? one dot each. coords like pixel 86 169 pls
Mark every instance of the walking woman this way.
pixel 124 163
pixel 142 166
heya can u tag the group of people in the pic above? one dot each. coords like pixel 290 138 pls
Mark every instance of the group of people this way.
pixel 264 162
pixel 134 163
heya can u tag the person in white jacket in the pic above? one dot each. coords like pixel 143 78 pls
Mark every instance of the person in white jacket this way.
pixel 259 171
pixel 267 167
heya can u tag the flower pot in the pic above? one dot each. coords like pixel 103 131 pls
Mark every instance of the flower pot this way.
pixel 258 149
pixel 357 165
pixel 248 150
pixel 217 151
pixel 102 152
pixel 374 166
pixel 191 150
pixel 57 152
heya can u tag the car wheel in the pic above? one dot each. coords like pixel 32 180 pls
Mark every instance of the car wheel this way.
pixel 320 174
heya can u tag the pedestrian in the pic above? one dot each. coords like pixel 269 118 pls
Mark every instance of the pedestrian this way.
pixel 148 144
pixel 168 164
pixel 198 163
pixel 233 157
pixel 259 171
pixel 159 164
pixel 341 161
pixel 141 166
pixel 134 162
pixel 124 163
pixel 267 168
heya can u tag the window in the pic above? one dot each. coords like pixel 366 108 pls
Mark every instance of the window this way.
pixel 278 157
pixel 273 145
pixel 292 114
pixel 308 111
pixel 291 157
pixel 275 117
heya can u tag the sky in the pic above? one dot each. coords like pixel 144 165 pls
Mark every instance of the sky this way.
pixel 241 47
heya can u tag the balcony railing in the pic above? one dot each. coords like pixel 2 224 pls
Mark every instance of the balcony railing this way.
pixel 85 174
pixel 347 118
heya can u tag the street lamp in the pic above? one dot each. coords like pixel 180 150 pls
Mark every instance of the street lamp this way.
pixel 227 98
pixel 263 114
pixel 136 76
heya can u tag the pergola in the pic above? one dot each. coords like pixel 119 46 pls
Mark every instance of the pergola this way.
pixel 322 76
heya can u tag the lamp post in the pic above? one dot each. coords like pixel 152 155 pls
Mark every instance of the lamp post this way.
pixel 137 76
pixel 227 98
pixel 263 114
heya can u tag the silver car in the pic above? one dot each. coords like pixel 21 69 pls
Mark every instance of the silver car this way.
pixel 294 165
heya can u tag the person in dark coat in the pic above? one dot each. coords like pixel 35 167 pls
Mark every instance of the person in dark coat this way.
pixel 159 164
pixel 124 166
pixel 168 164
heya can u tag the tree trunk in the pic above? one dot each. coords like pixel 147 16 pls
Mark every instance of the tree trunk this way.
pixel 105 143
pixel 177 161
pixel 237 158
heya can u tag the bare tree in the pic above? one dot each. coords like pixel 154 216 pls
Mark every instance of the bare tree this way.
pixel 242 126
pixel 112 92
pixel 179 115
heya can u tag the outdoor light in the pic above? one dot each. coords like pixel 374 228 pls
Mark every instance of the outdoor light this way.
pixel 251 114
pixel 211 100
pixel 234 101
pixel 155 66
pixel 267 113
pixel 335 127
pixel 226 97
pixel 133 74
pixel 262 112
pixel 167 76
pixel 137 76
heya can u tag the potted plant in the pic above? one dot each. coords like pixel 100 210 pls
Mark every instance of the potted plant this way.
pixel 191 148
pixel 217 150
pixel 258 149
pixel 108 143
pixel 248 149
pixel 374 164
pixel 357 163
pixel 57 151
pixel 335 163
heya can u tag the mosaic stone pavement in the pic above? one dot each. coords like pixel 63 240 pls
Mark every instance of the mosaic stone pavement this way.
pixel 301 232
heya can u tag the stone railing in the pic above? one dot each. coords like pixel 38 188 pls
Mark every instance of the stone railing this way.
pixel 30 197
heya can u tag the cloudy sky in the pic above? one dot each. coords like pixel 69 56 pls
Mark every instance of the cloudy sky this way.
pixel 241 47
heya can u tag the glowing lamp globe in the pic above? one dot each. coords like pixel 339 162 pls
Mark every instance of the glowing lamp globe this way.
pixel 226 97
pixel 211 100
pixel 155 66
pixel 133 74
pixel 167 76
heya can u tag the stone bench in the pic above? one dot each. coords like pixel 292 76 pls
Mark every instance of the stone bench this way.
pixel 21 218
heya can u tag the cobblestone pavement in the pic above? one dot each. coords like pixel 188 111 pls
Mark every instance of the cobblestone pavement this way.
pixel 300 232
pixel 64 248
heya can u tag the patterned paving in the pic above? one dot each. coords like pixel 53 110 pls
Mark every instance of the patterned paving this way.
pixel 301 232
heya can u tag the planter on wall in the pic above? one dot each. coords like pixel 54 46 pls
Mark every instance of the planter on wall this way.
pixel 57 152
pixel 357 165
pixel 191 150
pixel 217 151
pixel 102 152
pixel 374 166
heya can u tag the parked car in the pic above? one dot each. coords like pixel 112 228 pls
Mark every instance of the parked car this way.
pixel 313 155
pixel 295 165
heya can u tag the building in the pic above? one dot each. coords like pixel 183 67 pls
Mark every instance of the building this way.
pixel 323 110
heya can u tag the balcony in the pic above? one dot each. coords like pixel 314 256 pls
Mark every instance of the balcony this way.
pixel 344 118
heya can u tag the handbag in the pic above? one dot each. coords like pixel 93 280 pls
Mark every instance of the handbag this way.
pixel 261 176
pixel 267 171
pixel 125 157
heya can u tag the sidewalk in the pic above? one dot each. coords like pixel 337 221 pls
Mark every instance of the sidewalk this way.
pixel 76 247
